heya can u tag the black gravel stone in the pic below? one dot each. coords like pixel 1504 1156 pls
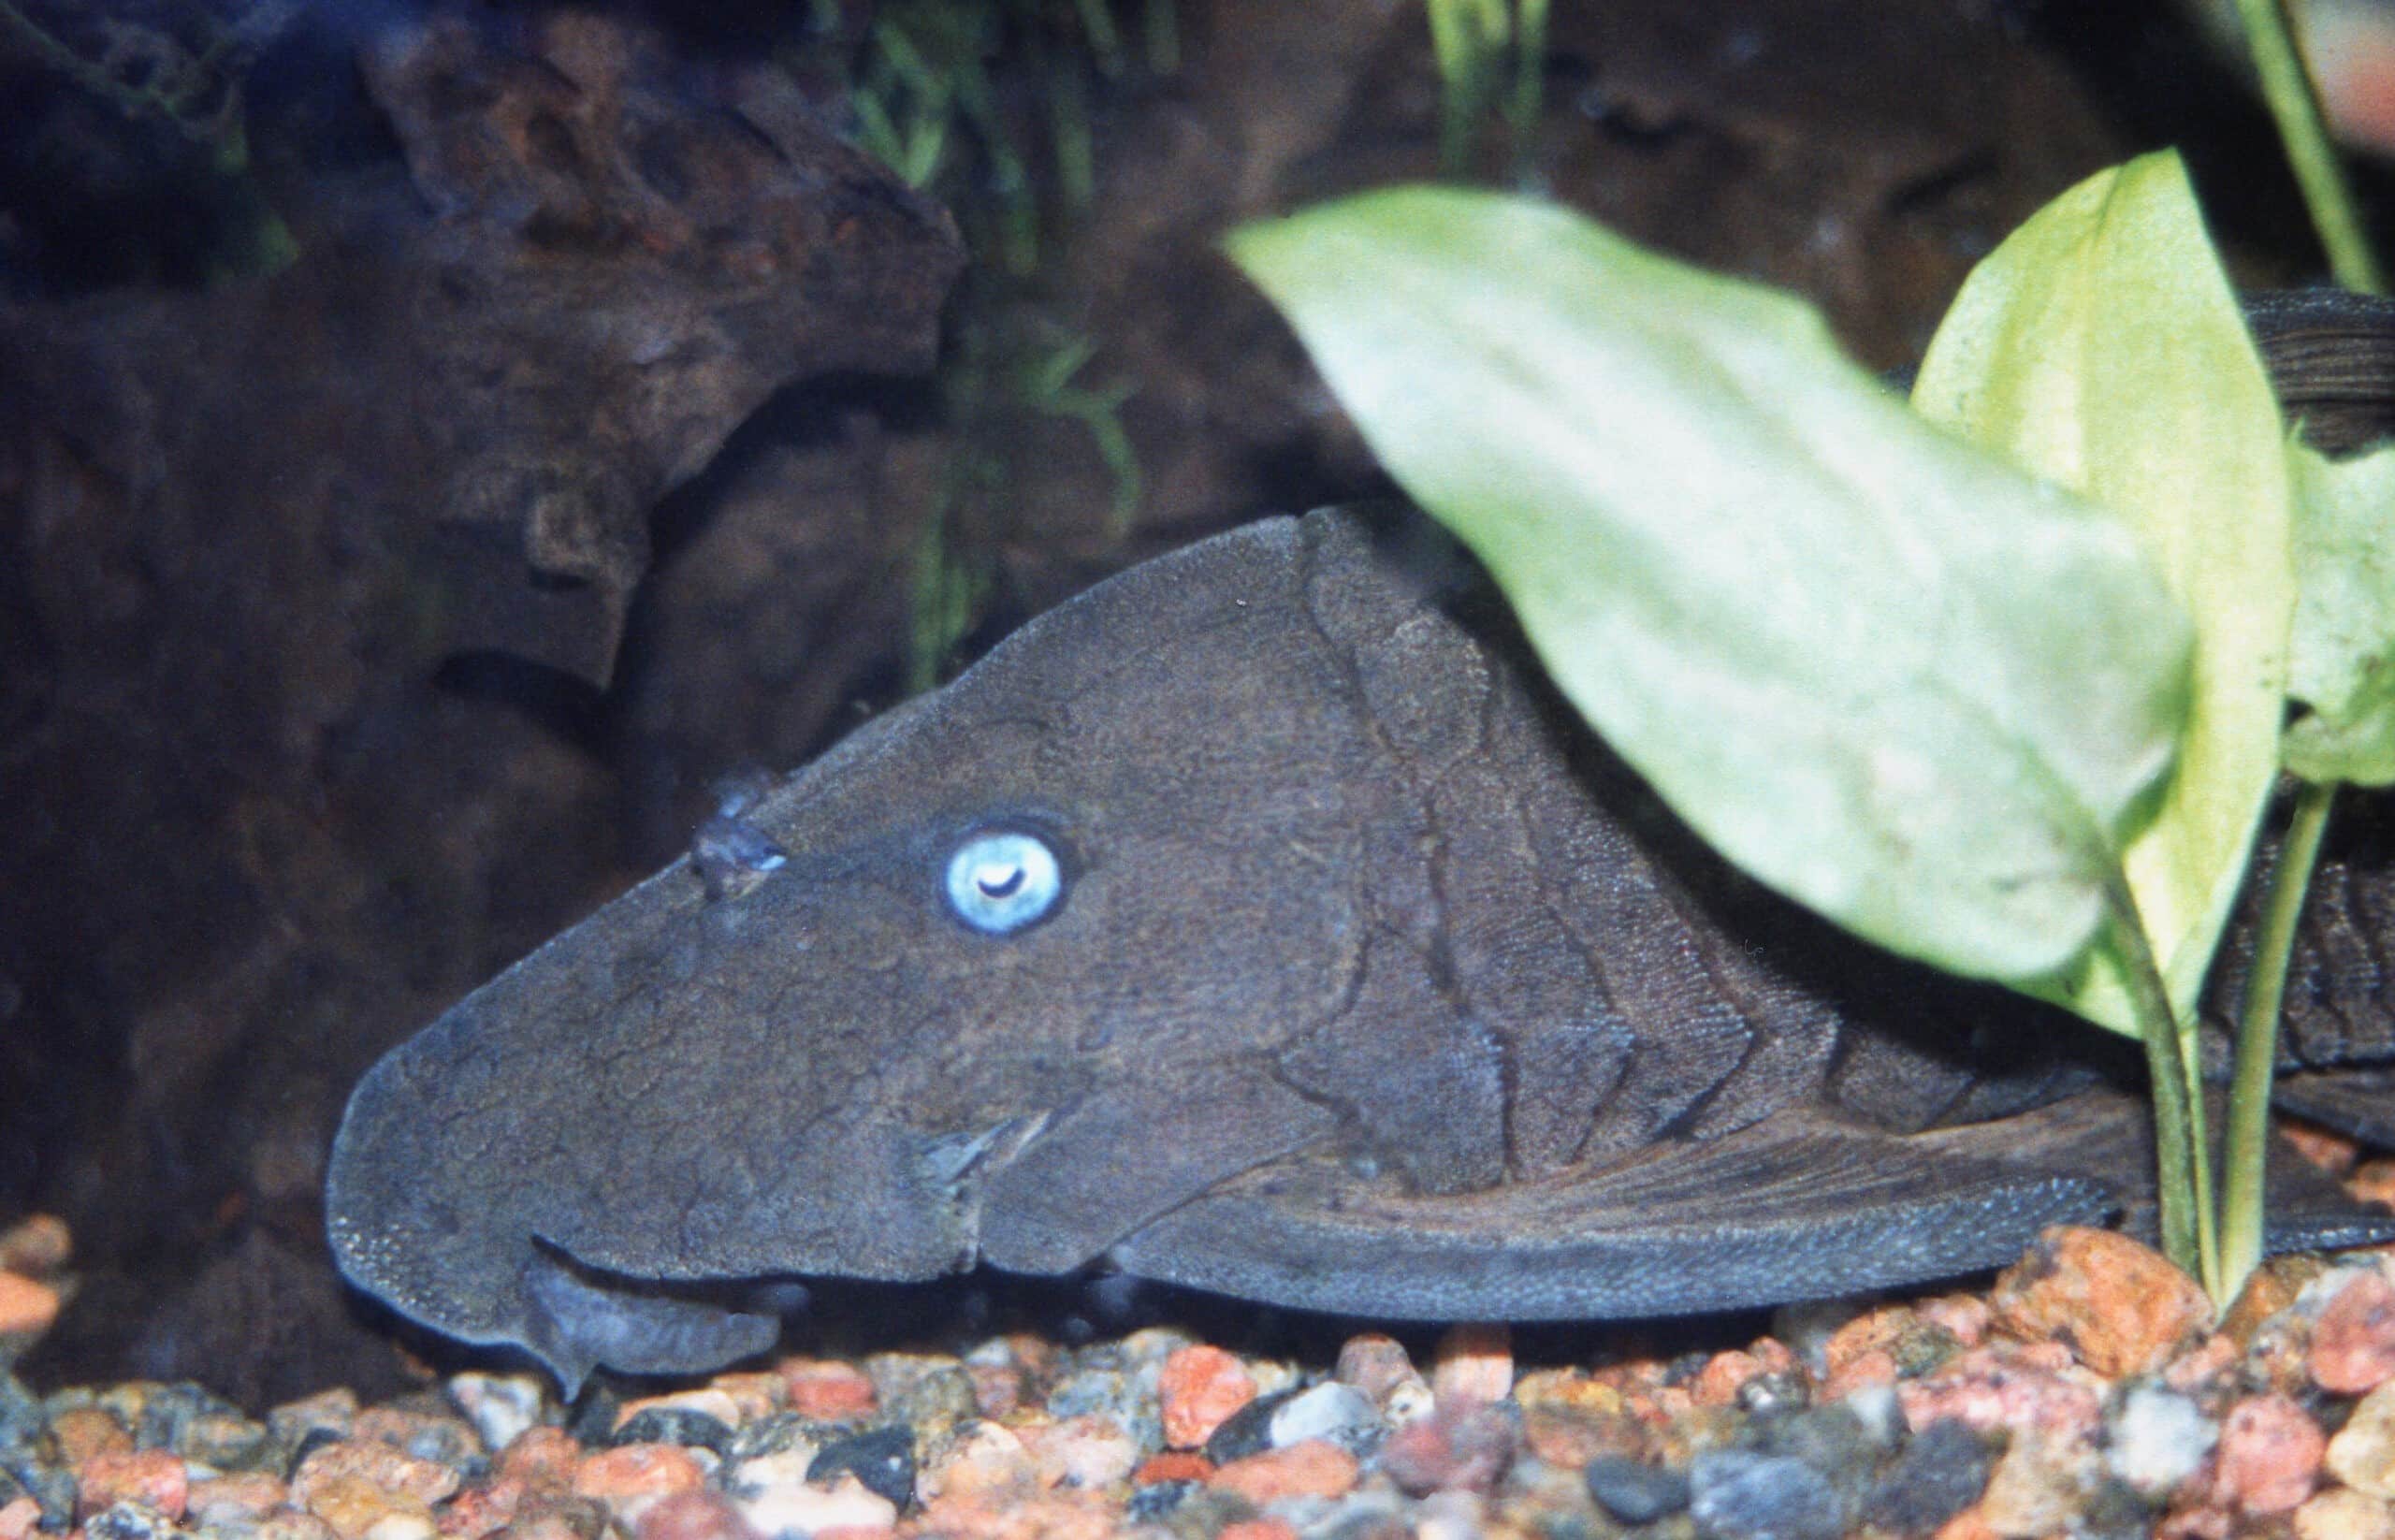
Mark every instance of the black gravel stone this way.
pixel 127 1521
pixel 21 1421
pixel 775 1433
pixel 883 1459
pixel 1831 1440
pixel 52 1487
pixel 169 1413
pixel 675 1425
pixel 593 1414
pixel 1246 1431
pixel 310 1442
pixel 1737 1495
pixel 1942 1472
pixel 1151 1503
pixel 1635 1493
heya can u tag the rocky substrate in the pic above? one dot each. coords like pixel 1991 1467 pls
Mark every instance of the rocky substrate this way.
pixel 2091 1392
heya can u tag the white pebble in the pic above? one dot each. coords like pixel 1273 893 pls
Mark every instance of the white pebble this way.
pixel 800 1511
pixel 2158 1440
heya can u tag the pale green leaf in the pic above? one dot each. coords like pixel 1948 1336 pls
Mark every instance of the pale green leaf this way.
pixel 1883 671
pixel 2344 664
pixel 2100 346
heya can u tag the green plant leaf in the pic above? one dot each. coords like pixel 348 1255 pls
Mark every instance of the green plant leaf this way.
pixel 2343 653
pixel 1881 670
pixel 2101 346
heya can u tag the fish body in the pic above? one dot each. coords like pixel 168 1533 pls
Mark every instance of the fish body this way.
pixel 1260 921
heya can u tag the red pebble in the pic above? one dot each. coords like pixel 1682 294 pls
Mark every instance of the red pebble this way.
pixel 1172 1465
pixel 2353 1344
pixel 152 1477
pixel 826 1391
pixel 631 1476
pixel 1472 1452
pixel 1718 1382
pixel 1257 1529
pixel 2000 1390
pixel 1200 1388
pixel 541 1458
pixel 694 1516
pixel 2269 1457
pixel 1311 1467
pixel 2119 1305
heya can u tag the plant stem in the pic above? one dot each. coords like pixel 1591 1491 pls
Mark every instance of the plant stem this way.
pixel 2182 1164
pixel 1530 76
pixel 2258 1035
pixel 2295 103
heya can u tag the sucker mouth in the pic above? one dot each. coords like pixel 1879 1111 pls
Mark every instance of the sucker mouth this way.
pixel 584 1317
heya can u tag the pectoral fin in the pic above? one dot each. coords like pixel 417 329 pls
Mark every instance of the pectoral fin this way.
pixel 1784 1209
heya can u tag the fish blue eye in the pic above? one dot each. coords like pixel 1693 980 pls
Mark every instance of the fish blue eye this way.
pixel 1003 881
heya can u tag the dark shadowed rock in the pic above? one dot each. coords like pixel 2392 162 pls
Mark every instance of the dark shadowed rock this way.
pixel 311 582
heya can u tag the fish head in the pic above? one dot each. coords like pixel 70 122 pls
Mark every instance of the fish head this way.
pixel 1009 984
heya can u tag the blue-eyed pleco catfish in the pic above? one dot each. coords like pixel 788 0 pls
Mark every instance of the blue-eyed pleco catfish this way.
pixel 1258 921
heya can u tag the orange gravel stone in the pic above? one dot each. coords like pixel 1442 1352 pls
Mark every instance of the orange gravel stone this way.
pixel 1966 1315
pixel 2119 1305
pixel 2353 1344
pixel 753 1394
pixel 2269 1458
pixel 423 1481
pixel 693 1515
pixel 1374 1364
pixel 1200 1388
pixel 1309 1468
pixel 36 1245
pixel 826 1391
pixel 350 1506
pixel 1172 1465
pixel 2332 1153
pixel 1257 1529
pixel 2202 1365
pixel 246 1497
pixel 27 1306
pixel 2373 1182
pixel 1724 1374
pixel 152 1477
pixel 1065 1514
pixel 1473 1366
pixel 631 1476
pixel 1970 1524
pixel 80 1433
pixel 541 1458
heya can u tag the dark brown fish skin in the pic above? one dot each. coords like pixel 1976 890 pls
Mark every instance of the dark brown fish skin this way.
pixel 1378 986
pixel 2331 358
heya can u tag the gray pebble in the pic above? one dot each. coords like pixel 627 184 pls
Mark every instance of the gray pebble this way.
pixel 127 1521
pixel 1737 1495
pixel 1341 1413
pixel 1942 1472
pixel 1633 1493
